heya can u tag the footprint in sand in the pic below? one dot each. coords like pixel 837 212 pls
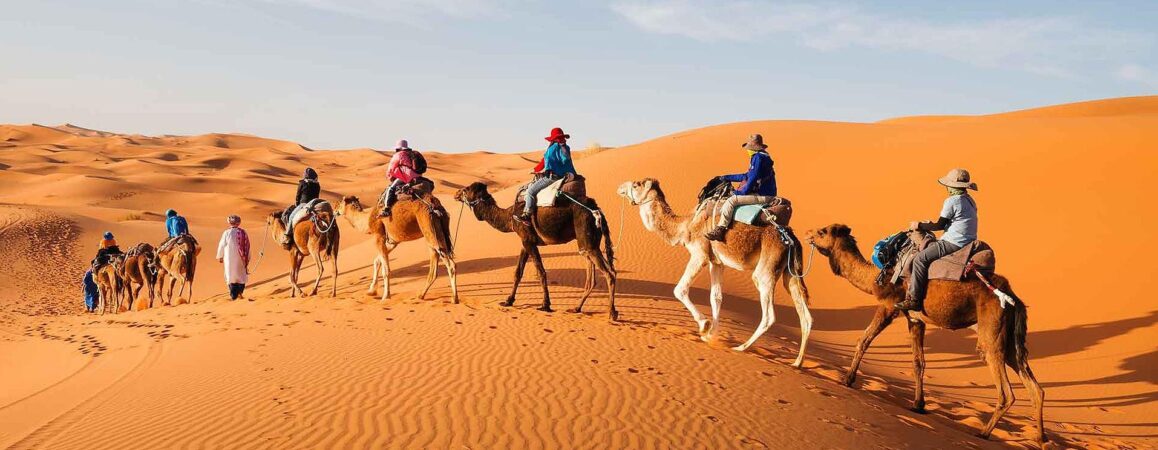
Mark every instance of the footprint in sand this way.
pixel 749 442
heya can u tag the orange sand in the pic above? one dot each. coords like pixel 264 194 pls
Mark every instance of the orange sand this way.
pixel 1065 197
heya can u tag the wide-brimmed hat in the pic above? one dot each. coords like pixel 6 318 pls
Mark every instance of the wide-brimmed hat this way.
pixel 557 134
pixel 957 178
pixel 233 219
pixel 755 143
pixel 402 144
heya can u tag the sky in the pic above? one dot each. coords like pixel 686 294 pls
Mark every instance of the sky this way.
pixel 497 75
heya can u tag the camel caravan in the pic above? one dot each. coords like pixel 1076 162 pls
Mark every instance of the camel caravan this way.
pixel 739 221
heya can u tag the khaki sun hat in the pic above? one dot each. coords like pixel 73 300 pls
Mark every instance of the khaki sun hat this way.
pixel 755 143
pixel 957 178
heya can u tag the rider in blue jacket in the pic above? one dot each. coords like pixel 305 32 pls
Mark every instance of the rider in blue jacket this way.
pixel 757 186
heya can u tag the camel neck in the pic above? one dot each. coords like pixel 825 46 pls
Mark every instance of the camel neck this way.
pixel 658 218
pixel 360 220
pixel 848 262
pixel 499 218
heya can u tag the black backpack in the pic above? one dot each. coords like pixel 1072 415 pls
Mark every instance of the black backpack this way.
pixel 714 187
pixel 419 162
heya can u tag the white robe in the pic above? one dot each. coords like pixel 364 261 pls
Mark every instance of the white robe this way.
pixel 229 249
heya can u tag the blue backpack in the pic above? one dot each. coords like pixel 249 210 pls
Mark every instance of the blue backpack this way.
pixel 886 250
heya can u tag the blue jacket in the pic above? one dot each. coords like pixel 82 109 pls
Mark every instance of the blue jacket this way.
pixel 90 290
pixel 176 226
pixel 558 160
pixel 760 178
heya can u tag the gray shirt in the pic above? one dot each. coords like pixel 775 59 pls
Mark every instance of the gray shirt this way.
pixel 961 211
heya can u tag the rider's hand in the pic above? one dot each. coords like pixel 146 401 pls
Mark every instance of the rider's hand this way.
pixel 220 260
pixel 914 226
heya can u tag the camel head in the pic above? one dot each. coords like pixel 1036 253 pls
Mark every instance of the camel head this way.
pixel 827 238
pixel 348 201
pixel 641 192
pixel 273 222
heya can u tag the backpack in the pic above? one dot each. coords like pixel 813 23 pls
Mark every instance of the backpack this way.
pixel 714 187
pixel 419 162
pixel 887 250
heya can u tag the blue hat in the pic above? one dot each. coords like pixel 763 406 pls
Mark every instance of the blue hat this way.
pixel 108 235
pixel 170 213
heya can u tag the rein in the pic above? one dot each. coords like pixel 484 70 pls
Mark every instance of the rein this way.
pixel 261 253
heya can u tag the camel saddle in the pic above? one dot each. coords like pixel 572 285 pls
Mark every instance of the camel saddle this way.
pixel 572 184
pixel 418 188
pixel 778 211
pixel 951 267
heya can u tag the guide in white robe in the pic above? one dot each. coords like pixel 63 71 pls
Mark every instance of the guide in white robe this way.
pixel 233 250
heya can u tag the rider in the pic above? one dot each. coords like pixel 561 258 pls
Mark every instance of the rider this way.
pixel 309 189
pixel 108 246
pixel 758 186
pixel 958 219
pixel 176 226
pixel 555 165
pixel 401 172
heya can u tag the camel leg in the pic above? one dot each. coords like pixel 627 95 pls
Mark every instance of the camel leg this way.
pixel 542 270
pixel 683 289
pixel 321 271
pixel 522 264
pixel 765 282
pixel 377 264
pixel 452 273
pixel 385 276
pixel 881 320
pixel 295 264
pixel 995 359
pixel 334 277
pixel 799 293
pixel 172 288
pixel 1038 397
pixel 609 276
pixel 588 285
pixel 715 297
pixel 917 338
pixel 431 273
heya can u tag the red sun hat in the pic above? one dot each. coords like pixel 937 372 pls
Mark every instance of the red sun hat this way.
pixel 557 135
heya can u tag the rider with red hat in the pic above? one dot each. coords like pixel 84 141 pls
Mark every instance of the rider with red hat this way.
pixel 555 165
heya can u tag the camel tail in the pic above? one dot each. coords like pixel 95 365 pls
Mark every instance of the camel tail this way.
pixel 605 230
pixel 440 219
pixel 792 283
pixel 1016 321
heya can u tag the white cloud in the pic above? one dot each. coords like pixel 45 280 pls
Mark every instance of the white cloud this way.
pixel 1137 74
pixel 399 10
pixel 1054 46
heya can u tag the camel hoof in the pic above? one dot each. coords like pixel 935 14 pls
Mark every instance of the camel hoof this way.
pixel 983 435
pixel 740 348
pixel 614 315
pixel 507 303
pixel 706 337
pixel 798 364
pixel 703 326
pixel 546 309
pixel 575 310
pixel 849 380
pixel 919 409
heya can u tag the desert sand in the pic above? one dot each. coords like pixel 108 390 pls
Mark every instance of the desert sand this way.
pixel 1065 197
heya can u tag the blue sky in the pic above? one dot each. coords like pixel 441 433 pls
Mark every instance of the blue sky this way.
pixel 464 75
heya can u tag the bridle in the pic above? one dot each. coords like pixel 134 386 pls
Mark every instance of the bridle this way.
pixel 634 202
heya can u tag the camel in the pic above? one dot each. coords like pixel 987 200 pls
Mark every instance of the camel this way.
pixel 316 236
pixel 139 269
pixel 554 225
pixel 178 262
pixel 109 283
pixel 411 220
pixel 948 304
pixel 756 249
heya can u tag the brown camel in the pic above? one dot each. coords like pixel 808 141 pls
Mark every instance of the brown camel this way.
pixel 755 249
pixel 109 283
pixel 949 304
pixel 316 236
pixel 140 270
pixel 411 220
pixel 555 225
pixel 177 262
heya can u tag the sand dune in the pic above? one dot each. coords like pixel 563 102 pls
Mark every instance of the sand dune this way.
pixel 1061 187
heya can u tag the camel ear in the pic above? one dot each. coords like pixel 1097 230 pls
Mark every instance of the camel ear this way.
pixel 647 185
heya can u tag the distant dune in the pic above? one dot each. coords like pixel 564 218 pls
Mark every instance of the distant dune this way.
pixel 1065 197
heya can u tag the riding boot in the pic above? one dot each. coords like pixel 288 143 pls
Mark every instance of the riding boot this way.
pixel 523 218
pixel 909 304
pixel 717 234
